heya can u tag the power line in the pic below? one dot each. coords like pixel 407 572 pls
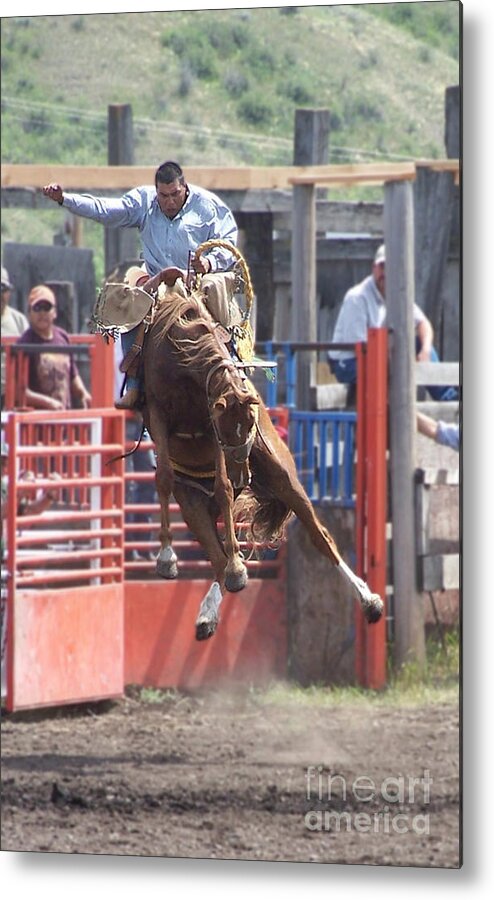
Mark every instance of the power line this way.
pixel 185 130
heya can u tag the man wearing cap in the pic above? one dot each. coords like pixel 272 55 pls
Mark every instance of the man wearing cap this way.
pixel 364 307
pixel 14 322
pixel 173 218
pixel 53 379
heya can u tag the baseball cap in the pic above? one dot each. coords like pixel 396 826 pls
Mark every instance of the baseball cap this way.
pixel 41 292
pixel 380 256
pixel 5 278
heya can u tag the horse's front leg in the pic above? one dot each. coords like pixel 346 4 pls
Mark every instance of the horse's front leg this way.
pixel 166 561
pixel 235 571
pixel 200 512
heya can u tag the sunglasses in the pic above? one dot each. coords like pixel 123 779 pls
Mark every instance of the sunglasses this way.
pixel 42 306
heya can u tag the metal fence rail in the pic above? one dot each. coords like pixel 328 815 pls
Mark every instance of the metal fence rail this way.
pixel 323 445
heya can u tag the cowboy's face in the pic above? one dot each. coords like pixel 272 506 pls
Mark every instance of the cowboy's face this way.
pixel 171 197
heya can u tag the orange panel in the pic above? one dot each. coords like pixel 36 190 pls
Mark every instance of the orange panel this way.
pixel 160 646
pixel 67 646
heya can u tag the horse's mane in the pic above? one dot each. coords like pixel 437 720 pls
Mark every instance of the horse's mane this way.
pixel 188 325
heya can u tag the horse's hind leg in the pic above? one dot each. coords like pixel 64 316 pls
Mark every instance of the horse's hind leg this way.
pixel 235 571
pixel 283 481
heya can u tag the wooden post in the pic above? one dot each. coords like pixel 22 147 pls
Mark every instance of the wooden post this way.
pixel 120 243
pixel 311 139
pixel 433 206
pixel 399 239
pixel 453 144
pixel 452 124
pixel 304 318
pixel 310 148
pixel 256 244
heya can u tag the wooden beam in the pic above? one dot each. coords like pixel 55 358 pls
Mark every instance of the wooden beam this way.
pixel 366 173
pixel 124 177
pixel 212 177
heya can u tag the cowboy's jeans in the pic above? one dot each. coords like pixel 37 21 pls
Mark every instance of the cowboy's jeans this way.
pixel 127 339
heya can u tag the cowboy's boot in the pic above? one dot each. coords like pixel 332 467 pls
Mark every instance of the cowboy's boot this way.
pixel 129 400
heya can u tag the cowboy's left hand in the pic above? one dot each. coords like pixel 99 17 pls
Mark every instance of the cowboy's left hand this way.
pixel 201 265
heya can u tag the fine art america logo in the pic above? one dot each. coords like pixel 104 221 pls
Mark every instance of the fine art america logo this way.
pixel 393 797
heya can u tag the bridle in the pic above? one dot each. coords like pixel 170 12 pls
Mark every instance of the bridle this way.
pixel 238 453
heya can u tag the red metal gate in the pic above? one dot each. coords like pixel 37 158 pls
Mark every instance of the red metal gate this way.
pixel 76 629
pixel 372 362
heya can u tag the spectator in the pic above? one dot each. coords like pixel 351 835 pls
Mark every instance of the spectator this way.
pixel 445 433
pixel 173 219
pixel 364 307
pixel 14 322
pixel 54 381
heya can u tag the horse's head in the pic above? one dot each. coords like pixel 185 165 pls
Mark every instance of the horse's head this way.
pixel 234 416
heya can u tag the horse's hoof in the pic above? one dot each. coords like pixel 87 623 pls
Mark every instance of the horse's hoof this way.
pixel 166 569
pixel 236 581
pixel 373 609
pixel 205 630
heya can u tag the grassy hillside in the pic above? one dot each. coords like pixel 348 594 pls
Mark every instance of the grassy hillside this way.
pixel 223 85
pixel 212 87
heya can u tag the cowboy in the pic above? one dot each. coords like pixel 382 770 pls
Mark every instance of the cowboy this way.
pixel 174 218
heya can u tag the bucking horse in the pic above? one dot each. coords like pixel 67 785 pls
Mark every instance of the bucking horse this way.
pixel 219 454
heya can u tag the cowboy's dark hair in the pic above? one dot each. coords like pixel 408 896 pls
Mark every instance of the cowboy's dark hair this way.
pixel 168 172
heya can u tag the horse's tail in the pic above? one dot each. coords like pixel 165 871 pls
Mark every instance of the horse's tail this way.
pixel 266 517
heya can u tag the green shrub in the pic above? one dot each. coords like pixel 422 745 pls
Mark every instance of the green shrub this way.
pixel 262 62
pixel 254 109
pixel 192 45
pixel 298 91
pixel 186 80
pixel 235 82
pixel 241 35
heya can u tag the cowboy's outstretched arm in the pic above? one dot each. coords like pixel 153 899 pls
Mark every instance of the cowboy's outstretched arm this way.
pixel 127 210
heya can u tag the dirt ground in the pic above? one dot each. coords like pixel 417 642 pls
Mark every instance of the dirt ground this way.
pixel 230 776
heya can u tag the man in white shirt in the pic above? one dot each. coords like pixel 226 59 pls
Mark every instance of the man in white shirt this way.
pixel 14 323
pixel 364 307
